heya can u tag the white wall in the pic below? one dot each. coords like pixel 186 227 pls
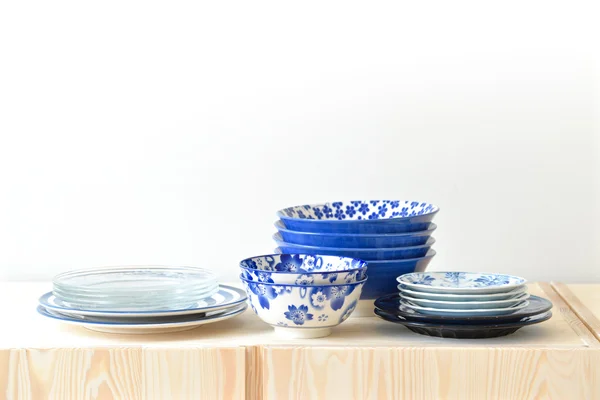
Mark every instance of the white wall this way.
pixel 171 132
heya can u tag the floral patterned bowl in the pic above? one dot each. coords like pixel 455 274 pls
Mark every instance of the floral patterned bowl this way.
pixel 355 240
pixel 395 253
pixel 303 269
pixel 360 216
pixel 297 311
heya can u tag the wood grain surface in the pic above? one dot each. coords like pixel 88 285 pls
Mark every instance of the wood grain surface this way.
pixel 584 300
pixel 431 373
pixel 364 358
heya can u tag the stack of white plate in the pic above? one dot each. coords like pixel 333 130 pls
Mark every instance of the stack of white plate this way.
pixel 141 299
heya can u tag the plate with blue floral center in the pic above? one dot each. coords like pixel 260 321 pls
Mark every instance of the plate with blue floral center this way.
pixel 460 282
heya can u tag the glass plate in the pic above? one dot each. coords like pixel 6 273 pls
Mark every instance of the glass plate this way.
pixel 133 279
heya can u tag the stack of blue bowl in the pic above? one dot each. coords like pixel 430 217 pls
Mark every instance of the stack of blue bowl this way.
pixel 392 236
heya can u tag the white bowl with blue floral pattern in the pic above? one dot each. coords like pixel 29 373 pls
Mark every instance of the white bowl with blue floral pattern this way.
pixel 460 282
pixel 360 216
pixel 303 269
pixel 298 311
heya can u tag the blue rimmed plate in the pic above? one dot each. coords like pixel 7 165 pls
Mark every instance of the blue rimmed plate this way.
pixel 460 282
pixel 146 325
pixel 458 312
pixel 467 305
pixel 226 297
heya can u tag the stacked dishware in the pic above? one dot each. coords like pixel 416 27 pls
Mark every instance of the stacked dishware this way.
pixel 392 236
pixel 301 295
pixel 141 299
pixel 462 304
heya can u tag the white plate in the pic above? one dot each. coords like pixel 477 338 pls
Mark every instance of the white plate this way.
pixel 226 297
pixel 462 297
pixel 146 328
pixel 466 305
pixel 460 282
pixel 462 312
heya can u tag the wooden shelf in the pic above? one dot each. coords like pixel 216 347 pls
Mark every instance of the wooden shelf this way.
pixel 242 358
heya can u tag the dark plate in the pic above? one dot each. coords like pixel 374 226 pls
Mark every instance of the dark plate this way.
pixel 456 331
pixel 391 305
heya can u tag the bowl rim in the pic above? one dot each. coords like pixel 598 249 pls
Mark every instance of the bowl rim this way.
pixel 280 226
pixel 362 265
pixel 430 242
pixel 361 282
pixel 282 216
pixel 430 254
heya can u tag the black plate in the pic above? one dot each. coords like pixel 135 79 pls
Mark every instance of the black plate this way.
pixel 391 304
pixel 456 331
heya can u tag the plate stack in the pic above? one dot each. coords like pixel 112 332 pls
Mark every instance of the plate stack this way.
pixel 141 299
pixel 392 236
pixel 462 304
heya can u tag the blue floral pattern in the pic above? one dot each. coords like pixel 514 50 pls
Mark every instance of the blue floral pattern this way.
pixel 303 269
pixel 298 314
pixel 285 306
pixel 357 209
pixel 460 280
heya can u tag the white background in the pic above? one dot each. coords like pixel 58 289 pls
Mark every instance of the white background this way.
pixel 171 132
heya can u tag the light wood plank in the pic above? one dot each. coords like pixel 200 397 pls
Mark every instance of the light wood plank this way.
pixel 206 373
pixel 584 300
pixel 430 373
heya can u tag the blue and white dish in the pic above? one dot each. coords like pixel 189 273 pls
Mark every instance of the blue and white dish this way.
pixel 466 305
pixel 463 312
pixel 147 326
pixel 462 297
pixel 303 269
pixel 396 253
pixel 297 311
pixel 460 282
pixel 360 216
pixel 227 297
pixel 348 240
pixel 382 274
pixel 393 304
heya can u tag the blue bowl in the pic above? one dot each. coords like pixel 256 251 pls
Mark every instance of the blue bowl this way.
pixel 349 240
pixel 393 253
pixel 360 216
pixel 383 274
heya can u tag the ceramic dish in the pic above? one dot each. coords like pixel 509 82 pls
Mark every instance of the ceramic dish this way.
pixel 297 311
pixel 392 304
pixel 467 305
pixel 457 331
pixel 382 274
pixel 396 253
pixel 463 312
pixel 462 297
pixel 460 282
pixel 361 216
pixel 226 297
pixel 303 269
pixel 183 323
pixel 348 240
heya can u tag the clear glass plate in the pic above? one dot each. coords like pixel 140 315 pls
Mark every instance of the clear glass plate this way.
pixel 133 279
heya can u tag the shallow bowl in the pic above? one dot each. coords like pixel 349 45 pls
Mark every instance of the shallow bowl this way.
pixel 396 253
pixel 297 311
pixel 354 240
pixel 303 269
pixel 360 216
pixel 461 282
